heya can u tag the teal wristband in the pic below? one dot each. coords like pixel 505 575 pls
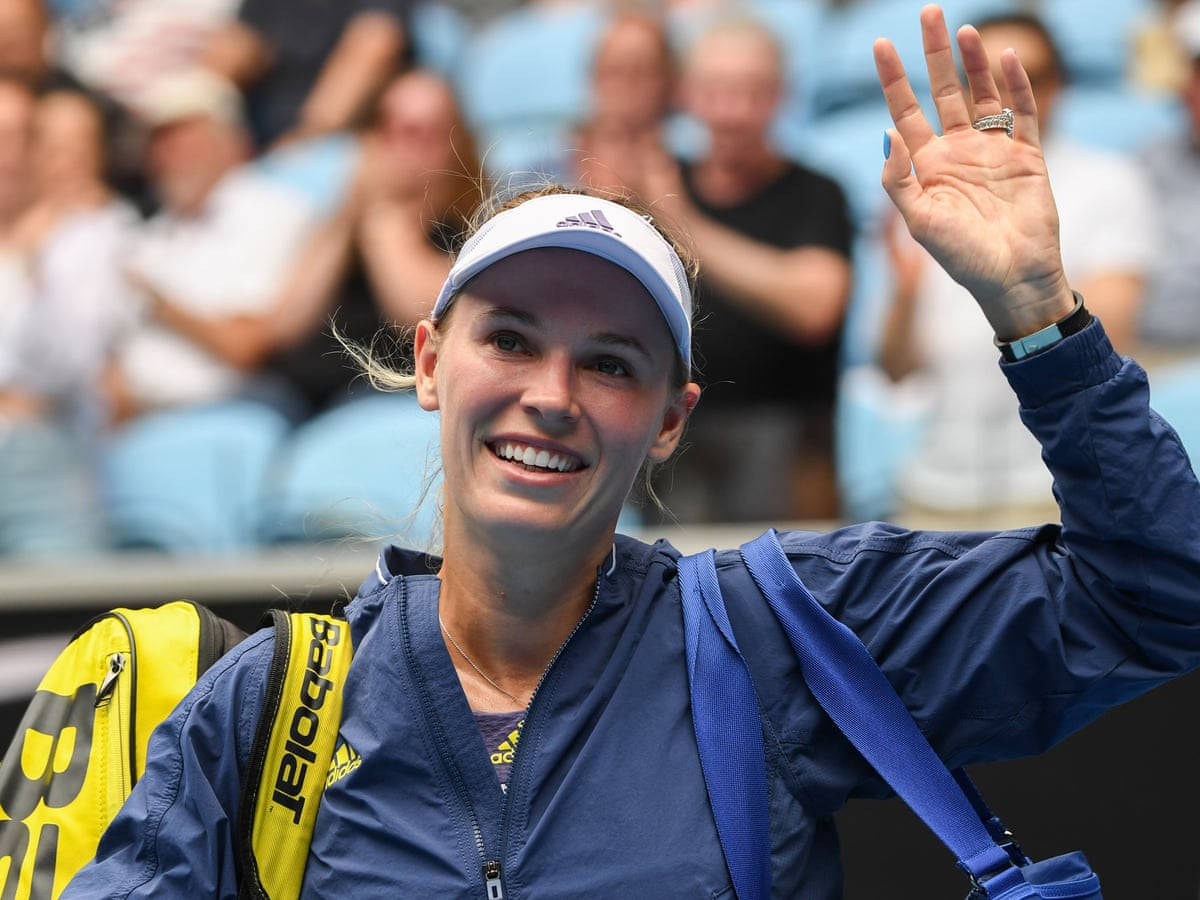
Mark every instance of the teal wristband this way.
pixel 1078 319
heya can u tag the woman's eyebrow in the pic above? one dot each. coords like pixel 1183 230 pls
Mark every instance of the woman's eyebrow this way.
pixel 624 341
pixel 500 314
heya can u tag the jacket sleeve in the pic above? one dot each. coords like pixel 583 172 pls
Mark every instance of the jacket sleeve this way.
pixel 1002 644
pixel 174 837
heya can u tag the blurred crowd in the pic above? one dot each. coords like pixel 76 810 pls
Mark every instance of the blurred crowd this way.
pixel 202 201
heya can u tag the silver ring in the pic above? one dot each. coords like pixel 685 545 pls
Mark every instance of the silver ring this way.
pixel 1002 119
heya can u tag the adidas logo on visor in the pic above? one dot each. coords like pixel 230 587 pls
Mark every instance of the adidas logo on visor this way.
pixel 594 219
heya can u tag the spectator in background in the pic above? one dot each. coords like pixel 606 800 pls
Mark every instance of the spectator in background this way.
pixel 773 239
pixel 419 180
pixel 79 231
pixel 309 67
pixel 632 86
pixel 978 457
pixel 222 245
pixel 61 300
pixel 380 260
pixel 1170 322
pixel 122 47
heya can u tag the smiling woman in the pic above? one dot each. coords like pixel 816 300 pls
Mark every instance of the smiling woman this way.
pixel 519 710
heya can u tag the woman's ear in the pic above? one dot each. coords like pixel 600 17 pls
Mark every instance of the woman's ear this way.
pixel 425 355
pixel 674 418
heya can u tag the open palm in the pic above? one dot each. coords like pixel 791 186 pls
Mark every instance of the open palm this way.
pixel 979 202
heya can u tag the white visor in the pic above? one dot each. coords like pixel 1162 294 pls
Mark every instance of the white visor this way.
pixel 593 225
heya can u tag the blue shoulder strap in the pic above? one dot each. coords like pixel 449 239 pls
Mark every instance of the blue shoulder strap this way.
pixel 728 729
pixel 850 687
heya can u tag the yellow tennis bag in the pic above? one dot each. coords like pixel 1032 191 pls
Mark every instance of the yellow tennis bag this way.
pixel 81 745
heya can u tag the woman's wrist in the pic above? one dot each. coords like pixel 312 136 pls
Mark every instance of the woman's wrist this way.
pixel 1031 308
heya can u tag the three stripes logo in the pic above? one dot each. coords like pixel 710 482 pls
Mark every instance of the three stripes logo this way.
pixel 593 219
pixel 345 760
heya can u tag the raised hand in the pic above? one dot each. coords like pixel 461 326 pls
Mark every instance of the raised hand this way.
pixel 978 201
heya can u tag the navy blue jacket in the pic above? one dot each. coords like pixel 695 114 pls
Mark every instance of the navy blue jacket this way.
pixel 1000 644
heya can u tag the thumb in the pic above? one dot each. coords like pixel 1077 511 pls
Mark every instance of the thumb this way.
pixel 898 178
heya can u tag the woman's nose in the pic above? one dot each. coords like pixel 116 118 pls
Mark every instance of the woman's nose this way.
pixel 550 392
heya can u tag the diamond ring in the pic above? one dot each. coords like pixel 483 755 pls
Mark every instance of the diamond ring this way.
pixel 1002 119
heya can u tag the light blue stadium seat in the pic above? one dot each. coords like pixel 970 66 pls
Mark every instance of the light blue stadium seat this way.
pixel 524 81
pixel 878 427
pixel 870 294
pixel 1122 119
pixel 1175 395
pixel 319 169
pixel 848 146
pixel 843 69
pixel 1094 38
pixel 190 480
pixel 368 468
pixel 439 35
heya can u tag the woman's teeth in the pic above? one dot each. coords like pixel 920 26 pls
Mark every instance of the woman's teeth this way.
pixel 535 458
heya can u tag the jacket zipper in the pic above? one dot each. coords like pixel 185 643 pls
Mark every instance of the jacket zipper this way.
pixel 493 875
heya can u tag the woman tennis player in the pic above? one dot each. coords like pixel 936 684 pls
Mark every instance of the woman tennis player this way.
pixel 520 708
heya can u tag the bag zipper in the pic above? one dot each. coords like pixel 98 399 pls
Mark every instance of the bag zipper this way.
pixel 108 695
pixel 109 720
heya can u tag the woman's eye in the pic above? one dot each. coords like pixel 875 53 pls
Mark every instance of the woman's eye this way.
pixel 507 343
pixel 610 366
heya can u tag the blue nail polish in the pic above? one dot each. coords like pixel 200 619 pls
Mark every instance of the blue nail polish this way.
pixel 887 144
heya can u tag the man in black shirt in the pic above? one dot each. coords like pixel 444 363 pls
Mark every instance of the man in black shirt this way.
pixel 773 239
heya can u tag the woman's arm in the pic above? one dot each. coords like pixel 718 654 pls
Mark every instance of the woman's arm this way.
pixel 1002 644
pixel 404 269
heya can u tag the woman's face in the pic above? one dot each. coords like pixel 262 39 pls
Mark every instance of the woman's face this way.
pixel 552 375
pixel 68 142
pixel 417 115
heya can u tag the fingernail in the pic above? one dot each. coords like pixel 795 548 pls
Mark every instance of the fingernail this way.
pixel 887 144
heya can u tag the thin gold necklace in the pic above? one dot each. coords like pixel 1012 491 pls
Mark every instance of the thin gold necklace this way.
pixel 470 662
pixel 482 674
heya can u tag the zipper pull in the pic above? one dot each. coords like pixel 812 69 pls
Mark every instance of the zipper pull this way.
pixel 491 880
pixel 116 665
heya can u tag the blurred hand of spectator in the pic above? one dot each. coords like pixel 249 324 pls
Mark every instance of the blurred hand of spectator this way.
pixel 16 136
pixel 908 260
pixel 23 27
pixel 309 67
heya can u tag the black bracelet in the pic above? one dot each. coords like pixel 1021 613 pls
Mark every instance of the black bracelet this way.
pixel 1077 320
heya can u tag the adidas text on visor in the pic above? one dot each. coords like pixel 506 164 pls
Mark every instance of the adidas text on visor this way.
pixel 590 224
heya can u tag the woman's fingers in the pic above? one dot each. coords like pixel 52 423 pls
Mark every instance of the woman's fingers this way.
pixel 985 96
pixel 898 178
pixel 902 102
pixel 943 76
pixel 1025 125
